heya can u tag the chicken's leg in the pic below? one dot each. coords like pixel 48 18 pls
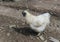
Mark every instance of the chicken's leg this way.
pixel 40 36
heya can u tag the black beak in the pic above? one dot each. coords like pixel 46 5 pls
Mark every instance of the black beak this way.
pixel 24 13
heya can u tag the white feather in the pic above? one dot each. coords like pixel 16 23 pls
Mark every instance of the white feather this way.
pixel 37 23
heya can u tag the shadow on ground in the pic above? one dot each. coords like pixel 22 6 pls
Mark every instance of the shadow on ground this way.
pixel 25 31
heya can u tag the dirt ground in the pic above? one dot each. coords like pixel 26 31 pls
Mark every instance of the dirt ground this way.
pixel 21 32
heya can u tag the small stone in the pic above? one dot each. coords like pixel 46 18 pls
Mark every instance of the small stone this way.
pixel 2 30
pixel 8 34
pixel 12 26
pixel 55 7
pixel 23 23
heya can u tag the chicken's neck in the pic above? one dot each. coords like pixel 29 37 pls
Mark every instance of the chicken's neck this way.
pixel 30 18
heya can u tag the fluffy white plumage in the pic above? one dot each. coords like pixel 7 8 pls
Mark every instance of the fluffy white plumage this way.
pixel 37 23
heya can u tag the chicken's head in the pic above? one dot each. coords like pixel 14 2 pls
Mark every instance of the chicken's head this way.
pixel 24 13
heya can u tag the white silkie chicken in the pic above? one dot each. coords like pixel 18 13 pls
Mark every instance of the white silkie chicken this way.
pixel 37 23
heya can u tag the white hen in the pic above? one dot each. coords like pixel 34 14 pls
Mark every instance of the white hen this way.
pixel 37 23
